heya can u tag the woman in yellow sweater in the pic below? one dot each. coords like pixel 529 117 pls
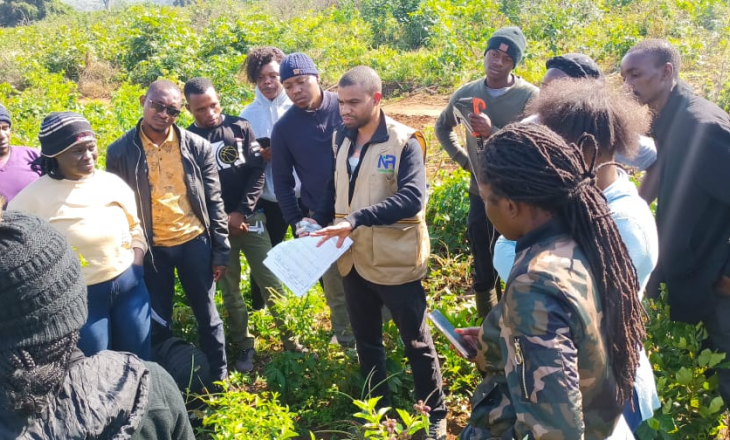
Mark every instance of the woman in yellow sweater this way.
pixel 96 212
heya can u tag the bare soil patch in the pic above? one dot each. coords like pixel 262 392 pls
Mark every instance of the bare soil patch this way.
pixel 420 111
pixel 417 111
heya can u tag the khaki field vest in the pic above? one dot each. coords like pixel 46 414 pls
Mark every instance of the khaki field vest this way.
pixel 390 254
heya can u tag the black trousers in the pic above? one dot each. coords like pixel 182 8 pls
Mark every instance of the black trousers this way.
pixel 192 262
pixel 482 237
pixel 276 226
pixel 407 304
pixel 718 329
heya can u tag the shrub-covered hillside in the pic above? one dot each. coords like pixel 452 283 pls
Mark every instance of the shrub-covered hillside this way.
pixel 72 61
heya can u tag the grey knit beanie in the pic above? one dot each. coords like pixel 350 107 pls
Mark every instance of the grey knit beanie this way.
pixel 42 291
pixel 509 40
pixel 5 115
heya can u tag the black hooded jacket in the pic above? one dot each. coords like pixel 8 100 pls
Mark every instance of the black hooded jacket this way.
pixel 693 210
pixel 109 395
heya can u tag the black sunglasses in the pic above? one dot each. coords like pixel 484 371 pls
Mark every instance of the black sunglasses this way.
pixel 159 108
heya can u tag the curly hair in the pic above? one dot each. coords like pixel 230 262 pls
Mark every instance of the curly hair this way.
pixel 573 107
pixel 529 163
pixel 258 58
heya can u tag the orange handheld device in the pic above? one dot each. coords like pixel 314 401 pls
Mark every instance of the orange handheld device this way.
pixel 478 105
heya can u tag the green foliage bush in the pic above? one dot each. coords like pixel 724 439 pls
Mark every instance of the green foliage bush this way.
pixel 20 12
pixel 447 211
pixel 686 383
pixel 412 43
pixel 236 413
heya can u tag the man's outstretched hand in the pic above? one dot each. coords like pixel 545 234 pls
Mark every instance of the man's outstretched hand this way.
pixel 341 230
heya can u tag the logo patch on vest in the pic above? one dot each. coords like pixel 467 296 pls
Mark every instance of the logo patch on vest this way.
pixel 386 163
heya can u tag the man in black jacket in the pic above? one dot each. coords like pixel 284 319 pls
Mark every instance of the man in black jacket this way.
pixel 241 173
pixel 175 179
pixel 693 212
pixel 377 196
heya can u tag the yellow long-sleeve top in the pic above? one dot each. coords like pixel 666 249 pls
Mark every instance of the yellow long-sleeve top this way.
pixel 97 215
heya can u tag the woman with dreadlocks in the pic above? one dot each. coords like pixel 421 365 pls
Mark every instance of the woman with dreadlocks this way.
pixel 561 349
pixel 572 108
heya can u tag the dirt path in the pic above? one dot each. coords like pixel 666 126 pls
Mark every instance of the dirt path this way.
pixel 417 111
pixel 421 111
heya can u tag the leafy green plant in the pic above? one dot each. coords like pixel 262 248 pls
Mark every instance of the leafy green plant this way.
pixel 378 425
pixel 686 382
pixel 447 211
pixel 236 413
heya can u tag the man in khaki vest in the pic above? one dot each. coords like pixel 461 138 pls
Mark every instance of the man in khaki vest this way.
pixel 378 198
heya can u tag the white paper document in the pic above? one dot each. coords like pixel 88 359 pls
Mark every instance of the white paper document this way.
pixel 299 263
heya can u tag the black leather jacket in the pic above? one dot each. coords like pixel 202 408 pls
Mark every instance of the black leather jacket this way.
pixel 125 158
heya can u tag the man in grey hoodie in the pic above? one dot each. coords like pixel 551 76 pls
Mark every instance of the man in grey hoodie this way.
pixel 271 102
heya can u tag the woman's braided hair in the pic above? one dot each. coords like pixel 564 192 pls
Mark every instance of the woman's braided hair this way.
pixel 529 163
pixel 47 165
pixel 31 376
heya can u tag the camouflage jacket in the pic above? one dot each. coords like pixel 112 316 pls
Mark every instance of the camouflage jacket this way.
pixel 542 349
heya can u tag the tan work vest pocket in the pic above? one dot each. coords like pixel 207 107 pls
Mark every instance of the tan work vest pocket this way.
pixel 396 246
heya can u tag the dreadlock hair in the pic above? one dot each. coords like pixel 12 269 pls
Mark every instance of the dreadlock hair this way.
pixel 662 51
pixel 572 107
pixel 31 376
pixel 529 163
pixel 258 58
pixel 47 165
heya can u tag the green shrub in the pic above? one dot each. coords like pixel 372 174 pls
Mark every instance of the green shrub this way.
pixel 447 211
pixel 236 413
pixel 687 386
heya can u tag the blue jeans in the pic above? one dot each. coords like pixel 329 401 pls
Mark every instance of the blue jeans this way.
pixel 119 315
pixel 195 270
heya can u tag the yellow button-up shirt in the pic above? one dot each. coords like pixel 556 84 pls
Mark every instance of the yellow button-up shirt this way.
pixel 173 220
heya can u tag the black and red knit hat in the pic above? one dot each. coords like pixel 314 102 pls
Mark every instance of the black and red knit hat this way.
pixel 61 131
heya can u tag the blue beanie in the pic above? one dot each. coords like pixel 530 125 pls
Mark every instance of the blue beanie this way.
pixel 5 115
pixel 296 64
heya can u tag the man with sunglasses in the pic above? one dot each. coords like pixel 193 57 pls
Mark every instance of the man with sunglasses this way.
pixel 175 179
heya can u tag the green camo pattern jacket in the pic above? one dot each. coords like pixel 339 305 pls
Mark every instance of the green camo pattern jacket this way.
pixel 543 350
